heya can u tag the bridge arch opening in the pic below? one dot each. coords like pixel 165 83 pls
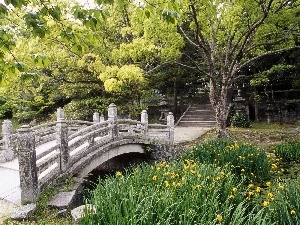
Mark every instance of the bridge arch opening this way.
pixel 117 159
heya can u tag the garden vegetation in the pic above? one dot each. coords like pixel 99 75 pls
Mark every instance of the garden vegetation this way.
pixel 221 181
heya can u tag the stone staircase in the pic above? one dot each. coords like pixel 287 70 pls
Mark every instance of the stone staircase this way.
pixel 198 115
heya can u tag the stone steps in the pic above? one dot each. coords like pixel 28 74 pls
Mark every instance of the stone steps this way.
pixel 201 115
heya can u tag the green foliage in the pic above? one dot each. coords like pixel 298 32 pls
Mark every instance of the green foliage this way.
pixel 84 109
pixel 170 193
pixel 243 159
pixel 289 151
pixel 240 120
pixel 283 202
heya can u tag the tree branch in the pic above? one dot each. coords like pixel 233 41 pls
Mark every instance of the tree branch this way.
pixel 159 66
pixel 186 37
pixel 266 54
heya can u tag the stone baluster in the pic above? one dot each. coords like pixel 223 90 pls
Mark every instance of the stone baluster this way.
pixel 170 123
pixel 6 132
pixel 144 120
pixel 27 165
pixel 96 117
pixel 112 117
pixel 102 118
pixel 62 139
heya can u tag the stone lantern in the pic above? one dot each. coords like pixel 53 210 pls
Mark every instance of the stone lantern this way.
pixel 164 110
pixel 239 102
pixel 269 112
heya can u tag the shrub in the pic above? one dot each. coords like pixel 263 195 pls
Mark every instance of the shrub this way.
pixel 289 151
pixel 244 159
pixel 240 120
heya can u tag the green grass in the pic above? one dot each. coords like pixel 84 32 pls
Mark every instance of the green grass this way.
pixel 289 151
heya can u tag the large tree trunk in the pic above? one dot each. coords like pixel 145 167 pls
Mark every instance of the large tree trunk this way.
pixel 218 98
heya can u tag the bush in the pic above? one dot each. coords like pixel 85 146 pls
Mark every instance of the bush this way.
pixel 240 120
pixel 289 151
pixel 243 159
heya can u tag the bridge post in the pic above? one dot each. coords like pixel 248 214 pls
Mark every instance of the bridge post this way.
pixel 112 117
pixel 27 165
pixel 6 132
pixel 170 123
pixel 62 139
pixel 144 120
pixel 96 117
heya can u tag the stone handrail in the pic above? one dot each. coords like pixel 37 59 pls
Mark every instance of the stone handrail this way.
pixel 72 142
pixel 44 133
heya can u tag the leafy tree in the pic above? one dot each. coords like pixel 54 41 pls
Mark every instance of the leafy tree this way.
pixel 225 35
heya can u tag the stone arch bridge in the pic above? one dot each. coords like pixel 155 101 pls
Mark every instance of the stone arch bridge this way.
pixel 48 151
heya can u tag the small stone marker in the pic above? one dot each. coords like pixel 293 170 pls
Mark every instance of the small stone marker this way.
pixel 23 212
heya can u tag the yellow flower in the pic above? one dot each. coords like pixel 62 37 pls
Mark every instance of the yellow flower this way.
pixel 234 189
pixel 270 195
pixel 192 171
pixel 231 197
pixel 293 212
pixel 217 178
pixel 251 186
pixel 242 170
pixel 163 164
pixel 167 183
pixel 250 193
pixel 198 186
pixel 281 186
pixel 185 167
pixel 268 183
pixel 219 217
pixel 274 166
pixel 266 203
pixel 118 174
pixel 154 178
pixel 248 198
pixel 258 190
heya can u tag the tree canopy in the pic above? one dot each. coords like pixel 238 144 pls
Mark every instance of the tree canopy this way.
pixel 117 48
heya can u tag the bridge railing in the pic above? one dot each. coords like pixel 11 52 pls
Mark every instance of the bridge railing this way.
pixel 44 133
pixel 81 142
pixel 70 141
